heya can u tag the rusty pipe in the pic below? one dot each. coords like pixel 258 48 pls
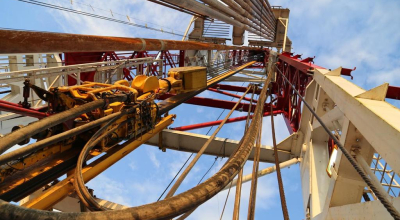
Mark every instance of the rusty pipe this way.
pixel 13 41
pixel 259 12
pixel 268 7
pixel 267 12
pixel 234 6
pixel 249 7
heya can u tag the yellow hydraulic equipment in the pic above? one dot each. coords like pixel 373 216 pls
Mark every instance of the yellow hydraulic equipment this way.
pixel 191 78
pixel 141 92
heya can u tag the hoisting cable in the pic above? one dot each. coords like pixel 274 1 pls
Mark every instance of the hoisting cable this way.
pixel 165 190
pixel 237 199
pixel 226 200
pixel 278 168
pixel 236 206
pixel 209 169
pixel 184 216
pixel 241 170
pixel 385 202
pixel 254 178
pixel 203 148
pixel 173 179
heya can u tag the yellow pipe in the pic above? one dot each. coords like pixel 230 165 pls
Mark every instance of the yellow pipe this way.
pixel 62 189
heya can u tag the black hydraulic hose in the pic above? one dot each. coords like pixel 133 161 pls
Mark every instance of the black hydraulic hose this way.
pixel 382 198
pixel 19 135
pixel 79 184
pixel 16 154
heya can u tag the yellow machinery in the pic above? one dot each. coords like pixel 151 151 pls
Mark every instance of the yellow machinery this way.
pixel 142 92
pixel 86 121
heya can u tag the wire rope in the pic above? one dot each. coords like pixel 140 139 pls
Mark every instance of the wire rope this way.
pixel 278 168
pixel 48 5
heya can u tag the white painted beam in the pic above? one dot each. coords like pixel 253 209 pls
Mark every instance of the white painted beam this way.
pixel 365 210
pixel 328 118
pixel 222 147
pixel 378 121
pixel 264 172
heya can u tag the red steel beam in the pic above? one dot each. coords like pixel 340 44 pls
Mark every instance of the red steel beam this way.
pixel 9 103
pixel 216 103
pixel 301 65
pixel 393 92
pixel 4 106
pixel 307 64
pixel 296 70
pixel 212 123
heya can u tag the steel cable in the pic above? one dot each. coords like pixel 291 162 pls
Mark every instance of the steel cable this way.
pixel 43 4
pixel 226 200
pixel 203 148
pixel 165 190
pixel 254 179
pixel 190 157
pixel 236 206
pixel 278 168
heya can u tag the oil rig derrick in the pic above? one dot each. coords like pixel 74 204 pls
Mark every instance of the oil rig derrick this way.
pixel 77 104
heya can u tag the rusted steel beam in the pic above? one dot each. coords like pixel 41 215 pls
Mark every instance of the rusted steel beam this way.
pixel 13 41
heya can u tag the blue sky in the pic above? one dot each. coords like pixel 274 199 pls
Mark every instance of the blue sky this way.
pixel 362 34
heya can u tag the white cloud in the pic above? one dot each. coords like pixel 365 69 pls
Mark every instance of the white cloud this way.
pixel 391 76
pixel 199 109
pixel 266 198
pixel 132 165
pixel 108 189
pixel 360 34
pixel 153 157
pixel 139 12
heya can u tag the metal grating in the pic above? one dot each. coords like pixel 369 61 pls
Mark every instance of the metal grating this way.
pixel 388 178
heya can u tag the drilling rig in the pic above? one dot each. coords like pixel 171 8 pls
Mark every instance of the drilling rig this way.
pixel 98 98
